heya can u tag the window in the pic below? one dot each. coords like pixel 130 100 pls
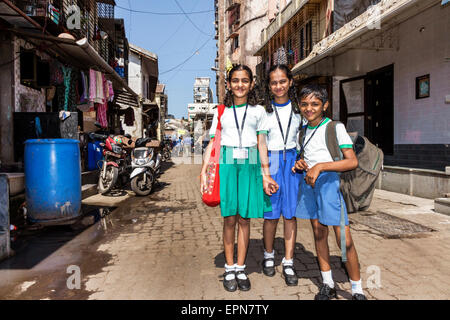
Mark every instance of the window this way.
pixel 235 44
pixel 289 52
pixel 308 37
pixel 305 40
pixel 34 72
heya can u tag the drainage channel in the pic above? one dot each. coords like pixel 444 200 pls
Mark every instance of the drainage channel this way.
pixel 389 226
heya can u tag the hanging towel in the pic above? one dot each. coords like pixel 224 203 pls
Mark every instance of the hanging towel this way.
pixel 101 114
pixel 92 85
pixel 84 95
pixel 111 91
pixel 67 71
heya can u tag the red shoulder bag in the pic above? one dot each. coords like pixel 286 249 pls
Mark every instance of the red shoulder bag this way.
pixel 211 195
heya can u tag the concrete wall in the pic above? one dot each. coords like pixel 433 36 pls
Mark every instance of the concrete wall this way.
pixel 134 73
pixel 422 121
pixel 27 99
pixel 423 183
pixel 136 129
pixel 6 99
pixel 4 217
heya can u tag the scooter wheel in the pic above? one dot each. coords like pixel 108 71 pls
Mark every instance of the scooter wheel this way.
pixel 141 188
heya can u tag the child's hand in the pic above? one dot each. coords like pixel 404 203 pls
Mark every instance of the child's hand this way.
pixel 203 183
pixel 300 165
pixel 270 186
pixel 312 175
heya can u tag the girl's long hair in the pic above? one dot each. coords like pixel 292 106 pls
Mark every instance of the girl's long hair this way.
pixel 292 93
pixel 252 98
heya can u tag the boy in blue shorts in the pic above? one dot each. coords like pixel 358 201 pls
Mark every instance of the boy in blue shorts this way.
pixel 319 197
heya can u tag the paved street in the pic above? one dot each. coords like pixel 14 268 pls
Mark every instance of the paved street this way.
pixel 169 246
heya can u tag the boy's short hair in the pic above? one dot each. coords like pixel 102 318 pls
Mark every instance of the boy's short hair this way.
pixel 318 91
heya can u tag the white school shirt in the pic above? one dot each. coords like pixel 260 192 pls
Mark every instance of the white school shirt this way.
pixel 255 123
pixel 275 140
pixel 316 150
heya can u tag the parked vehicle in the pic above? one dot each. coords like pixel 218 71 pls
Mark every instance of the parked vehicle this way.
pixel 146 165
pixel 166 146
pixel 116 163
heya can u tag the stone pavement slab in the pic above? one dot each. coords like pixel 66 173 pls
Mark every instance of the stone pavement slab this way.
pixel 169 246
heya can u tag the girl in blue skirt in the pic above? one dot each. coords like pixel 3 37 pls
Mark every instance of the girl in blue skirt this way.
pixel 283 123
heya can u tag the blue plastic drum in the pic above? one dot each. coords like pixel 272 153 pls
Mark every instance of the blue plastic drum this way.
pixel 52 180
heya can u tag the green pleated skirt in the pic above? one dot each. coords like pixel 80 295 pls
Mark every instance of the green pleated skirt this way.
pixel 241 186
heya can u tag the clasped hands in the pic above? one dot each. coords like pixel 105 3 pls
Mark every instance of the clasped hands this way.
pixel 311 173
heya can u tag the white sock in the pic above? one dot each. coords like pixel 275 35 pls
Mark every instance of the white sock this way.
pixel 327 278
pixel 230 276
pixel 356 287
pixel 241 276
pixel 288 263
pixel 267 256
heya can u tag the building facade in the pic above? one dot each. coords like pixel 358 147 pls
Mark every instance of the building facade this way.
pixel 50 54
pixel 143 78
pixel 385 65
pixel 238 26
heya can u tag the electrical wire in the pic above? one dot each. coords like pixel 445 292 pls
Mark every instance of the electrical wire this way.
pixel 165 13
pixel 129 25
pixel 182 63
pixel 176 31
pixel 192 22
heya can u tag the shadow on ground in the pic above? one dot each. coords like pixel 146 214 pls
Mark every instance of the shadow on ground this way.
pixel 305 263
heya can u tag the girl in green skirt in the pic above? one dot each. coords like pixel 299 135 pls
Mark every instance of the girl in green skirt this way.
pixel 244 170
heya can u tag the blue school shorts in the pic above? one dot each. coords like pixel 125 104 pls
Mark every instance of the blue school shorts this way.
pixel 322 202
pixel 284 201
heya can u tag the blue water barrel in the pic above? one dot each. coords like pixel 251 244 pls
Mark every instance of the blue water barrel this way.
pixel 95 154
pixel 52 179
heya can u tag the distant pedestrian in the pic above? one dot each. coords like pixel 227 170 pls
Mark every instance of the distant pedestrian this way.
pixel 243 156
pixel 320 199
pixel 283 123
pixel 187 146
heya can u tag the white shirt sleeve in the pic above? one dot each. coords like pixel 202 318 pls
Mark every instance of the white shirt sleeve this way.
pixel 212 130
pixel 262 124
pixel 343 138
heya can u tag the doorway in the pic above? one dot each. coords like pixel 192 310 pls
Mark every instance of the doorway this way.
pixel 379 87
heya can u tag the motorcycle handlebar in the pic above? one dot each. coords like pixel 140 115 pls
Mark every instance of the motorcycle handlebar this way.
pixel 97 136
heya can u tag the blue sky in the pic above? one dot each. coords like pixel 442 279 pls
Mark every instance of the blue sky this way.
pixel 174 39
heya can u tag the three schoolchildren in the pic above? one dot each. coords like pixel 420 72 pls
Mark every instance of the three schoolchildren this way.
pixel 265 172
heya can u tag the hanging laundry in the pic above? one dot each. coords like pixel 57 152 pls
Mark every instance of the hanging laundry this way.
pixel 102 108
pixel 96 91
pixel 282 58
pixel 84 97
pixel 56 75
pixel 296 56
pixel 111 91
pixel 67 71
pixel 102 117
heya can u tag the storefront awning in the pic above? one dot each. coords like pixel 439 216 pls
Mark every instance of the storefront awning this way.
pixel 14 16
pixel 321 60
pixel 79 54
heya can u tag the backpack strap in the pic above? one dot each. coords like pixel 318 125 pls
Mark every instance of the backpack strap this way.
pixel 301 138
pixel 336 154
pixel 332 142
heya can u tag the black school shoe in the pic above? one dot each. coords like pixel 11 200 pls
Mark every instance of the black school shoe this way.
pixel 359 296
pixel 326 293
pixel 268 271
pixel 229 285
pixel 291 280
pixel 243 284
